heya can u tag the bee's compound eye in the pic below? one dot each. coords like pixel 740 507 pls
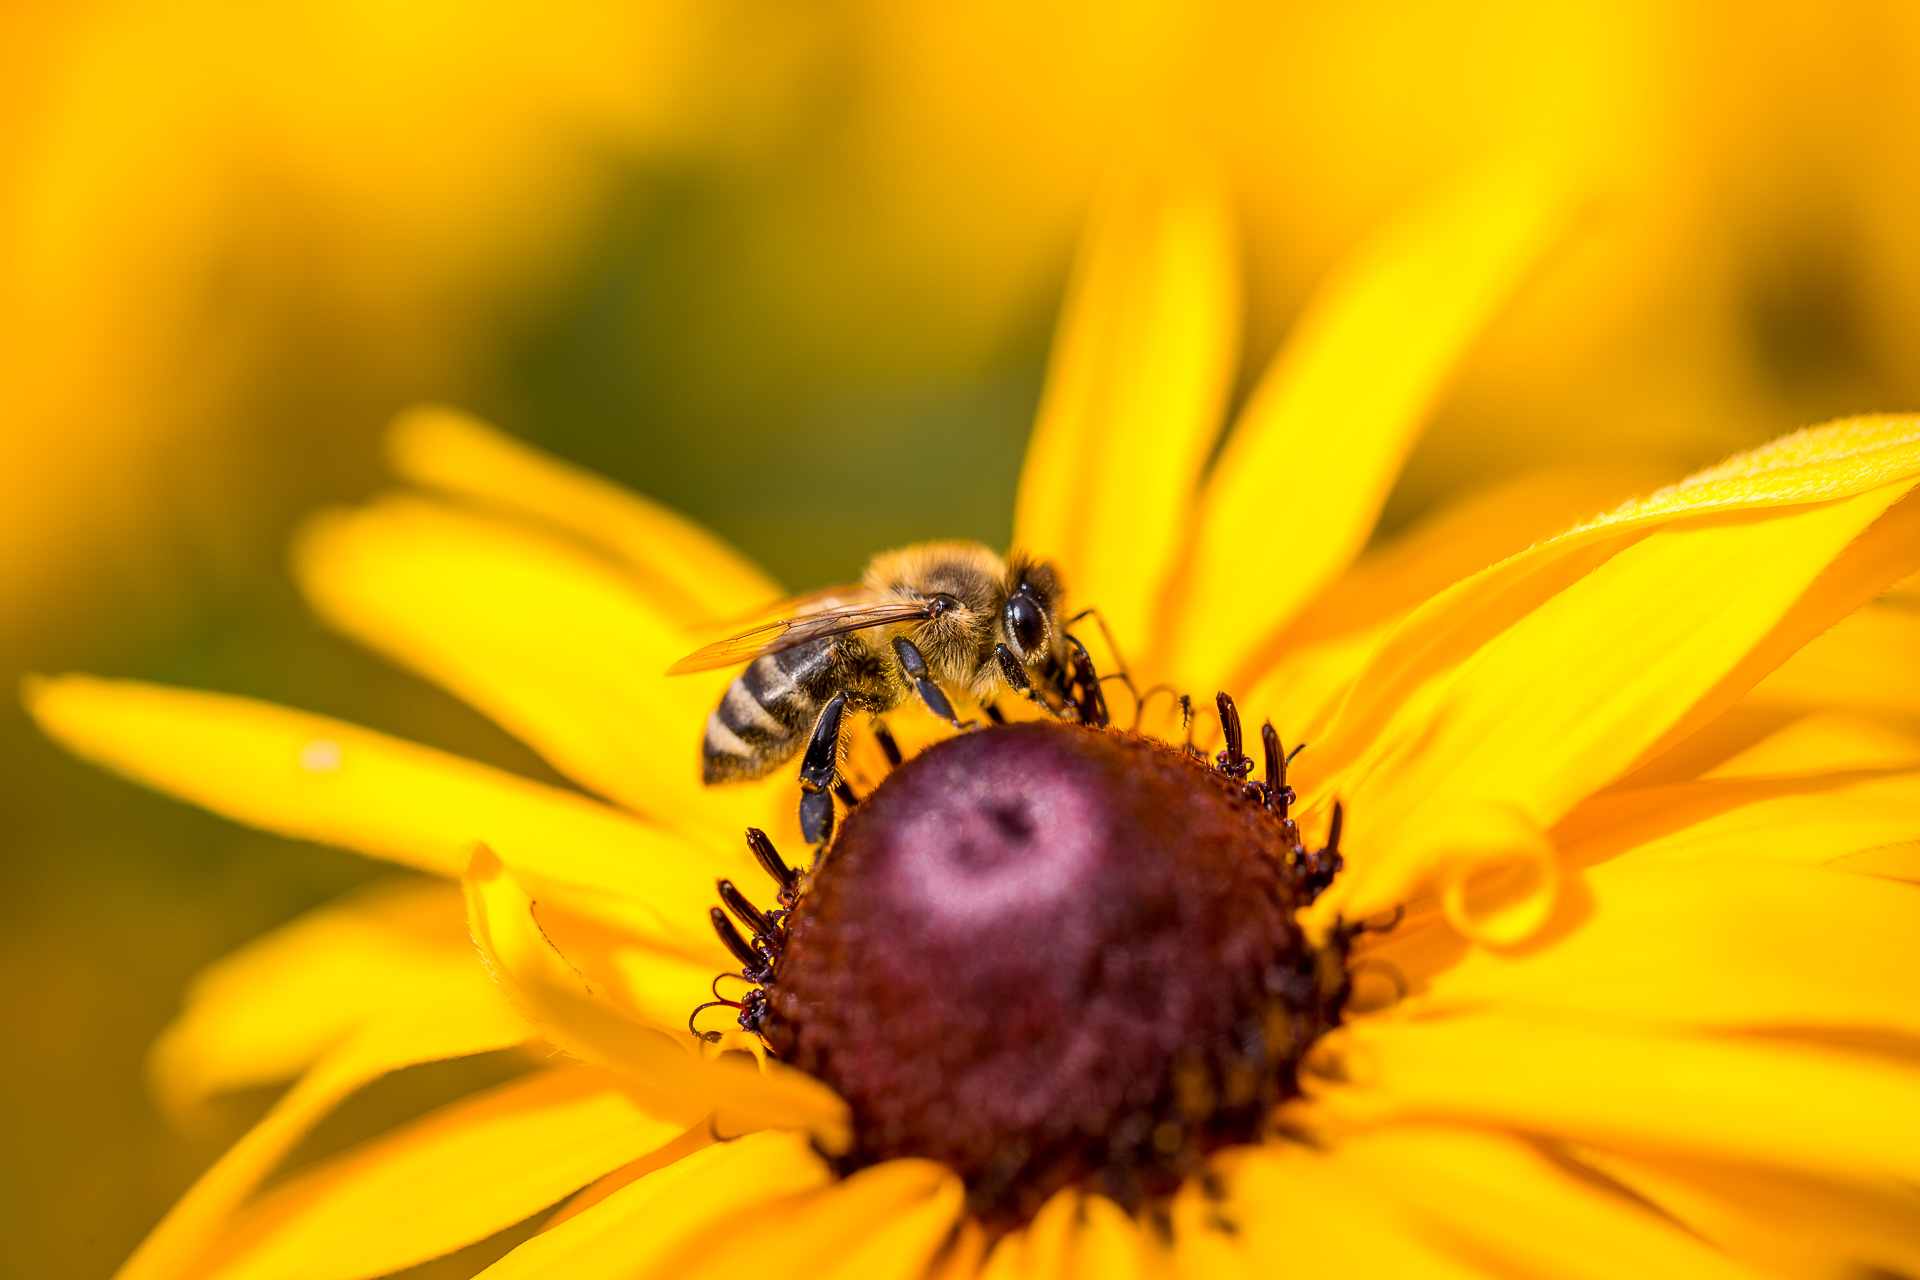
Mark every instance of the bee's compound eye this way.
pixel 1026 626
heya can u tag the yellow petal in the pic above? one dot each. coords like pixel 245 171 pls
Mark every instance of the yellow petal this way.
pixel 1523 1213
pixel 1867 661
pixel 1006 1260
pixel 1787 1106
pixel 1307 668
pixel 1110 1245
pixel 698 1138
pixel 1817 464
pixel 690 1201
pixel 427 1034
pixel 691 573
pixel 1206 1244
pixel 1455 542
pixel 1820 464
pixel 1719 740
pixel 581 1018
pixel 446 1180
pixel 1143 361
pixel 556 646
pixel 1893 862
pixel 1048 1241
pixel 1296 1212
pixel 320 779
pixel 1779 1224
pixel 1806 820
pixel 266 1012
pixel 1700 944
pixel 891 1237
pixel 1301 480
pixel 964 1255
pixel 1567 697
pixel 1824 742
pixel 1888 549
pixel 886 1222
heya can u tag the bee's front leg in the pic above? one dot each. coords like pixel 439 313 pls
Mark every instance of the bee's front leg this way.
pixel 1084 685
pixel 913 665
pixel 1017 678
pixel 818 771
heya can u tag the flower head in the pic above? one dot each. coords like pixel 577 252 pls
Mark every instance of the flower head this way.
pixel 1615 976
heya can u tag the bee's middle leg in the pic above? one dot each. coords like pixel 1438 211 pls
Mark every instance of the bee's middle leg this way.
pixel 913 665
pixel 819 770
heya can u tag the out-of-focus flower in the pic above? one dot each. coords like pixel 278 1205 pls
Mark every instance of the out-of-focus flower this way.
pixel 211 214
pixel 1637 988
pixel 200 204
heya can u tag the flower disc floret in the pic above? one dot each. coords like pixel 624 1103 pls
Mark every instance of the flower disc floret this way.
pixel 1047 954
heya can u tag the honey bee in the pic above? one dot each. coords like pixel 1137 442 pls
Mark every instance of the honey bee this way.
pixel 950 614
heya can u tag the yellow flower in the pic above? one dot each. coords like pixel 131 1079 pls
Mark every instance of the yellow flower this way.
pixel 1631 818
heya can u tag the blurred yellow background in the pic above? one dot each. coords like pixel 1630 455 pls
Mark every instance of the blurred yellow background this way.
pixel 791 268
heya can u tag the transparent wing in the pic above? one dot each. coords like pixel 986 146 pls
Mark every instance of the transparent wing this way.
pixel 785 633
pixel 793 606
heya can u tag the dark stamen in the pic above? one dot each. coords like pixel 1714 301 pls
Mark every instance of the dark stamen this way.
pixel 1233 762
pixel 711 1037
pixel 750 915
pixel 731 937
pixel 1279 794
pixel 769 859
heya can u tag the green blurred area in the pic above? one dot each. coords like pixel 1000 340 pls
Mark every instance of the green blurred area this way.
pixel 659 364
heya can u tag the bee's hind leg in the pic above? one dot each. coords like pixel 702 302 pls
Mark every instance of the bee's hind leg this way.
pixel 819 770
pixel 914 666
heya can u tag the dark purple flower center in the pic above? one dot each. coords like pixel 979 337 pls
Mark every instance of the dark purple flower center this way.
pixel 1046 954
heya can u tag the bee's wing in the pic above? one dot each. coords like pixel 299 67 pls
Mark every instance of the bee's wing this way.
pixel 785 633
pixel 806 602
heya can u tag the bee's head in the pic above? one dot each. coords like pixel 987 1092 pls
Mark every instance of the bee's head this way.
pixel 1031 617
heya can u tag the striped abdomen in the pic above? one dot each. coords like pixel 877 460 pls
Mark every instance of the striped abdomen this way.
pixel 768 711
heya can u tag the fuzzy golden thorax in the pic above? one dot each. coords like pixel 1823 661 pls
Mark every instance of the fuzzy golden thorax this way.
pixel 958 645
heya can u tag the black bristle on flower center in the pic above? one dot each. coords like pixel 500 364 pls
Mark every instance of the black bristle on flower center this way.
pixel 1047 954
